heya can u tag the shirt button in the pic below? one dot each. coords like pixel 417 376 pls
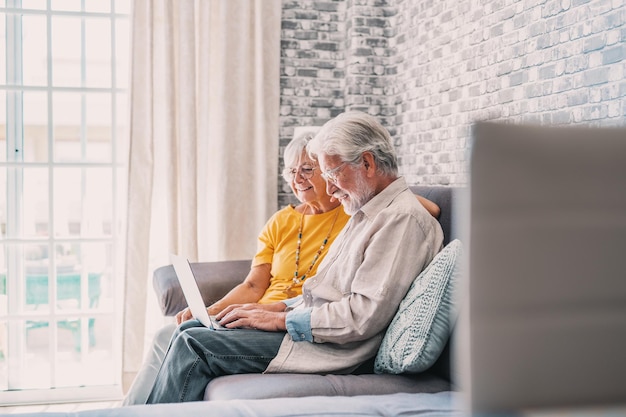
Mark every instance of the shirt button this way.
pixel 302 336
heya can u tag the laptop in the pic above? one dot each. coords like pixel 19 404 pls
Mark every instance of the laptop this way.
pixel 192 292
pixel 545 321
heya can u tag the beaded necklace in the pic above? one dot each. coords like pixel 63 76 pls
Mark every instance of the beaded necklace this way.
pixel 299 280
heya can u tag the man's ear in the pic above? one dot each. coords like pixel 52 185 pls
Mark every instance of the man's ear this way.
pixel 370 164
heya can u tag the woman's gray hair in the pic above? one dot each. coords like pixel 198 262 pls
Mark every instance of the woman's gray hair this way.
pixel 351 134
pixel 294 149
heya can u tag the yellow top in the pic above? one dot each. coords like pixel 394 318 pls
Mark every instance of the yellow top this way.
pixel 278 241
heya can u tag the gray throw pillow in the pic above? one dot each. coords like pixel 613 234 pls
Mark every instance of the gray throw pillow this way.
pixel 421 327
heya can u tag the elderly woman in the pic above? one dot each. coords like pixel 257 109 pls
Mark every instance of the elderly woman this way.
pixel 290 247
pixel 293 241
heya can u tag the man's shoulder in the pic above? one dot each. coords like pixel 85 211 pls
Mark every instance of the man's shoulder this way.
pixel 385 198
pixel 405 203
pixel 403 200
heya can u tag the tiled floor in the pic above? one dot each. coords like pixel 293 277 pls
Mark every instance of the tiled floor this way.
pixel 59 408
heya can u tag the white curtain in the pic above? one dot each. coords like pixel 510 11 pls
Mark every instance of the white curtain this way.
pixel 203 157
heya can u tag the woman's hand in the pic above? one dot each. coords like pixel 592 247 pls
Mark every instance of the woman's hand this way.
pixel 184 315
pixel 268 317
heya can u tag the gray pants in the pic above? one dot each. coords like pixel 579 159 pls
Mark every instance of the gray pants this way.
pixel 144 381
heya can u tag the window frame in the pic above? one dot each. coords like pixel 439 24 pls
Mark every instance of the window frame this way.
pixel 13 240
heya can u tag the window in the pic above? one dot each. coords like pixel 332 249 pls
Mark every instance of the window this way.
pixel 63 79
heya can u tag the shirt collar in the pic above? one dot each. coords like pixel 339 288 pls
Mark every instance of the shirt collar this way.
pixel 384 198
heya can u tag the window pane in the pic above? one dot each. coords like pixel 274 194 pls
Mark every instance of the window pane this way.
pixel 100 368
pixel 66 51
pixel 36 202
pixel 83 203
pixel 67 201
pixel 3 287
pixel 98 132
pixel 100 6
pixel 98 52
pixel 67 5
pixel 98 202
pixel 35 127
pixel 66 126
pixel 83 280
pixel 85 351
pixel 69 349
pixel 3 51
pixel 34 366
pixel 35 55
pixel 95 259
pixel 71 277
pixel 3 209
pixel 34 4
pixel 122 53
pixel 3 126
pixel 122 6
pixel 3 352
pixel 121 136
pixel 36 270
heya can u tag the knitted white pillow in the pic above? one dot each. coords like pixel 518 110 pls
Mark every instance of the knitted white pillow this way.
pixel 420 329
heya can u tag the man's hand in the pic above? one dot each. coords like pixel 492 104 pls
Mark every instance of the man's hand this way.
pixel 268 317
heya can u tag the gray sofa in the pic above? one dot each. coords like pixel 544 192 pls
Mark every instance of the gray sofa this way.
pixel 216 278
pixel 427 394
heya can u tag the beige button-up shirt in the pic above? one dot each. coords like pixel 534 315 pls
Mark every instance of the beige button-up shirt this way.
pixel 341 317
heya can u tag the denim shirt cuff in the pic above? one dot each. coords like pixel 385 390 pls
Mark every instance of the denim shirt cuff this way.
pixel 298 324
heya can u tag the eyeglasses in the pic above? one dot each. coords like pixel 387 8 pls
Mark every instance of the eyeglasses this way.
pixel 331 174
pixel 305 171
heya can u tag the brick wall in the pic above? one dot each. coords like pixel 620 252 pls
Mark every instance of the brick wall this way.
pixel 428 69
pixel 312 69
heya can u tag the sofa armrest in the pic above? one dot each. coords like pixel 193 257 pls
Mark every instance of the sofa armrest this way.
pixel 214 279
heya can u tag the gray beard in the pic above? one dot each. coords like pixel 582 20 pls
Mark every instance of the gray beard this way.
pixel 355 202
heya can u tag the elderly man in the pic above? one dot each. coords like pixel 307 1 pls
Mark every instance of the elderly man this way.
pixel 339 320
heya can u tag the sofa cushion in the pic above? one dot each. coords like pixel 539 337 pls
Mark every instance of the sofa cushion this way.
pixel 257 386
pixel 420 329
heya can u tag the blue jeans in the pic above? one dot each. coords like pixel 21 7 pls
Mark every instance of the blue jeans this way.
pixel 198 354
